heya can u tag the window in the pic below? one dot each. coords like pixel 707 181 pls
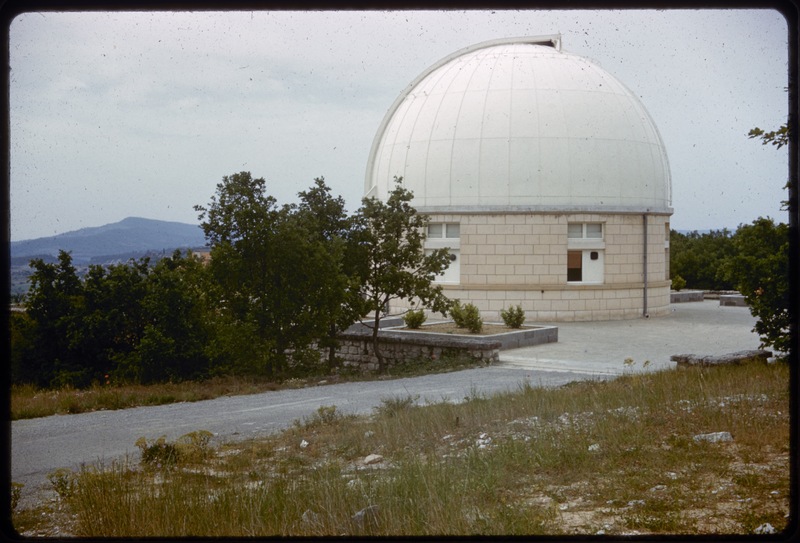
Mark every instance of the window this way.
pixel 446 235
pixel 440 230
pixel 585 252
pixel 585 230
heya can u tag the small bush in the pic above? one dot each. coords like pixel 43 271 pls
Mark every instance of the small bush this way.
pixel 513 317
pixel 391 407
pixel 194 446
pixel 414 319
pixel 63 482
pixel 159 454
pixel 678 283
pixel 457 314
pixel 466 316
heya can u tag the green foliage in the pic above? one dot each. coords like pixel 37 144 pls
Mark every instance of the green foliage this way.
pixel 760 270
pixel 389 248
pixel 678 283
pixel 414 318
pixel 778 138
pixel 698 258
pixel 466 316
pixel 282 272
pixel 513 317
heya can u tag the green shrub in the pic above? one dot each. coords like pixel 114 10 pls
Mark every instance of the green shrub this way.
pixel 414 319
pixel 457 314
pixel 513 317
pixel 467 316
pixel 678 283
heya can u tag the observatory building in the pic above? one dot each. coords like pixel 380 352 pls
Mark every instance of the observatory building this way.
pixel 544 176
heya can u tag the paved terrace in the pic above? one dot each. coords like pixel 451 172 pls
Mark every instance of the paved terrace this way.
pixel 601 348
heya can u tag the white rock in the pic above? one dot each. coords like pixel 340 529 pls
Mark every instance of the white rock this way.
pixel 714 437
pixel 594 447
pixel 765 528
pixel 372 459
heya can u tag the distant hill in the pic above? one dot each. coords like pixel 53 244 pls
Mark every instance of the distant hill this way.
pixel 129 237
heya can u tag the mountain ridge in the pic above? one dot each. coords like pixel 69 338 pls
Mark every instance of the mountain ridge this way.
pixel 130 235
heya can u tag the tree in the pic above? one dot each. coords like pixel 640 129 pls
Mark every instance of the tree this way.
pixel 393 265
pixel 776 308
pixel 760 271
pixel 698 257
pixel 43 342
pixel 240 226
pixel 110 321
pixel 177 322
pixel 327 225
pixel 280 270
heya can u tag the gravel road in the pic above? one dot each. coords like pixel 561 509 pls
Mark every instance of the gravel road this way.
pixel 40 446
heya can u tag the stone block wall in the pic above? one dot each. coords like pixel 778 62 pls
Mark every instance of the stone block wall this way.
pixel 521 258
pixel 356 349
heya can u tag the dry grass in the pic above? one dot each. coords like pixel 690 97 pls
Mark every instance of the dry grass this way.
pixel 613 457
pixel 31 402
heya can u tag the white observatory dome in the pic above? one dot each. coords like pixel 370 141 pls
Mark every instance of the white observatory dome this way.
pixel 518 124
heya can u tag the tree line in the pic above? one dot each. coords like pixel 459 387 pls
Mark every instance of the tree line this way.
pixel 754 261
pixel 281 283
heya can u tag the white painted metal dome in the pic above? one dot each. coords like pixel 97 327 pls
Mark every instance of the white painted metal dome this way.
pixel 520 124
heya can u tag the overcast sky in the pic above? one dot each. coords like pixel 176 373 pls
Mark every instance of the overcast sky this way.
pixel 141 114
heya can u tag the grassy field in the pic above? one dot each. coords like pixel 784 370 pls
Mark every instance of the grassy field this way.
pixel 616 457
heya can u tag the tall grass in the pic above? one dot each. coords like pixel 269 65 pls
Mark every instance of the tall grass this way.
pixel 613 457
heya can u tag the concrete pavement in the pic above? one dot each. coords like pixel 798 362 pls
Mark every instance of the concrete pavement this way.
pixel 601 348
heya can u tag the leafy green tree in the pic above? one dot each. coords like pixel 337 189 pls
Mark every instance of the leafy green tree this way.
pixel 110 320
pixel 240 225
pixel 327 226
pixel 698 258
pixel 280 270
pixel 43 344
pixel 760 271
pixel 778 305
pixel 390 238
pixel 173 345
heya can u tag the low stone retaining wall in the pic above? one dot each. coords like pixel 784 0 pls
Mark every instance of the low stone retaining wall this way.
pixel 732 300
pixel 686 296
pixel 398 347
pixel 739 357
